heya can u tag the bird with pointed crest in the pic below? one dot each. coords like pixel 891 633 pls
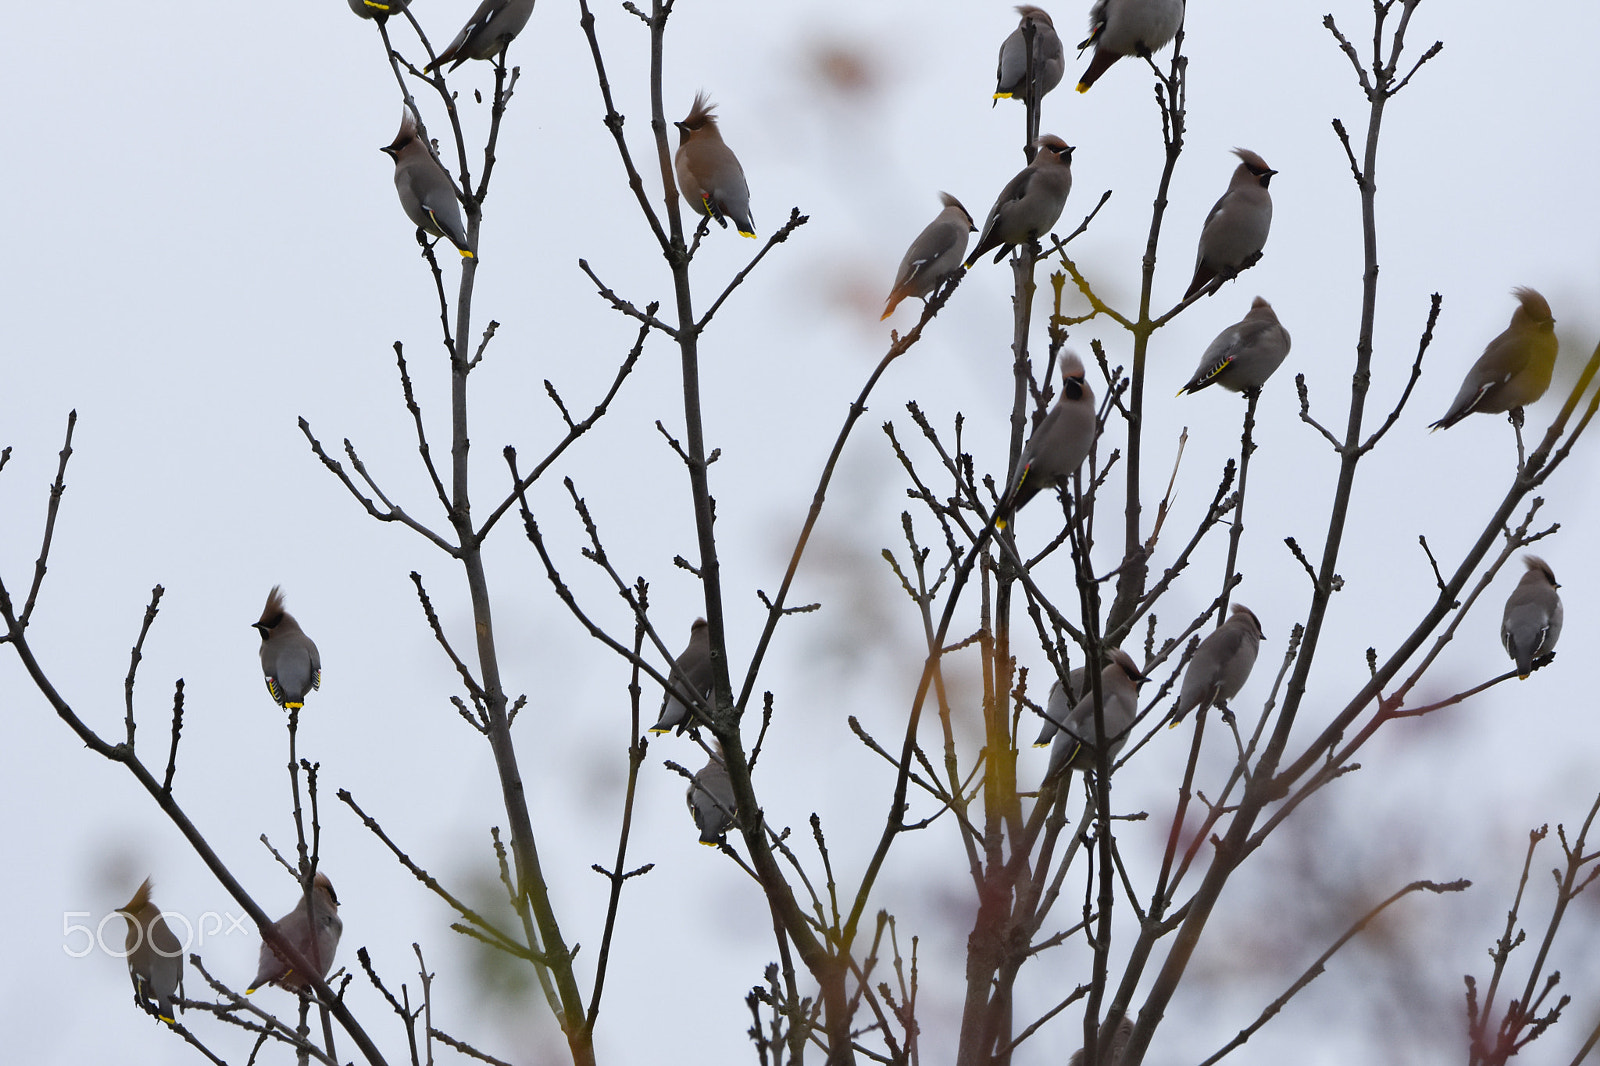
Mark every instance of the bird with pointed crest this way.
pixel 289 659
pixel 1235 231
pixel 933 256
pixel 1515 369
pixel 709 175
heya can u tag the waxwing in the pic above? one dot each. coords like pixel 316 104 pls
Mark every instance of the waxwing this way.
pixel 1074 746
pixel 1245 354
pixel 709 175
pixel 1236 229
pixel 1060 444
pixel 426 192
pixel 692 671
pixel 1514 370
pixel 711 800
pixel 489 30
pixel 1120 28
pixel 1048 61
pixel 1031 202
pixel 933 256
pixel 1119 1041
pixel 288 657
pixel 297 929
pixel 377 9
pixel 1532 621
pixel 155 958
pixel 1057 706
pixel 1221 663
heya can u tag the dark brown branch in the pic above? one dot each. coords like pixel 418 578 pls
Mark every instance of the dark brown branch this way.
pixel 393 514
pixel 1316 968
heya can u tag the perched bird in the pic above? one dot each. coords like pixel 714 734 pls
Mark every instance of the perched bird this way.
pixel 1119 1041
pixel 709 175
pixel 377 9
pixel 1221 663
pixel 1236 229
pixel 933 256
pixel 1245 354
pixel 426 192
pixel 1057 706
pixel 711 800
pixel 1048 61
pixel 692 670
pixel 297 929
pixel 155 958
pixel 1060 444
pixel 1031 202
pixel 1532 621
pixel 489 30
pixel 288 657
pixel 1120 28
pixel 1514 370
pixel 1074 746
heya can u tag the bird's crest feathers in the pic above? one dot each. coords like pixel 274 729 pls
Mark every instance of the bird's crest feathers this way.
pixel 1255 623
pixel 272 613
pixel 950 201
pixel 702 113
pixel 1533 562
pixel 1257 165
pixel 1534 305
pixel 141 898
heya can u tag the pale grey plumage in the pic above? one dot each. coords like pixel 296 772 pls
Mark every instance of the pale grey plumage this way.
pixel 1533 615
pixel 155 958
pixel 933 256
pixel 692 672
pixel 377 9
pixel 709 175
pixel 1059 446
pixel 711 801
pixel 1515 369
pixel 298 930
pixel 1119 28
pixel 1049 62
pixel 426 192
pixel 1113 1054
pixel 1031 201
pixel 1058 705
pixel 1245 354
pixel 490 29
pixel 1221 664
pixel 1074 746
pixel 1236 229
pixel 289 658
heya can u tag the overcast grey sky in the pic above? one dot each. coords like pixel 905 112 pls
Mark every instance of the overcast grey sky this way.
pixel 206 245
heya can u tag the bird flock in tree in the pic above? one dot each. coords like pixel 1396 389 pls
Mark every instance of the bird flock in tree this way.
pixel 1514 370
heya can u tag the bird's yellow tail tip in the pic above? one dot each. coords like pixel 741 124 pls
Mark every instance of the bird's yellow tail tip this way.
pixel 747 233
pixel 1002 96
pixel 1083 86
pixel 466 254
